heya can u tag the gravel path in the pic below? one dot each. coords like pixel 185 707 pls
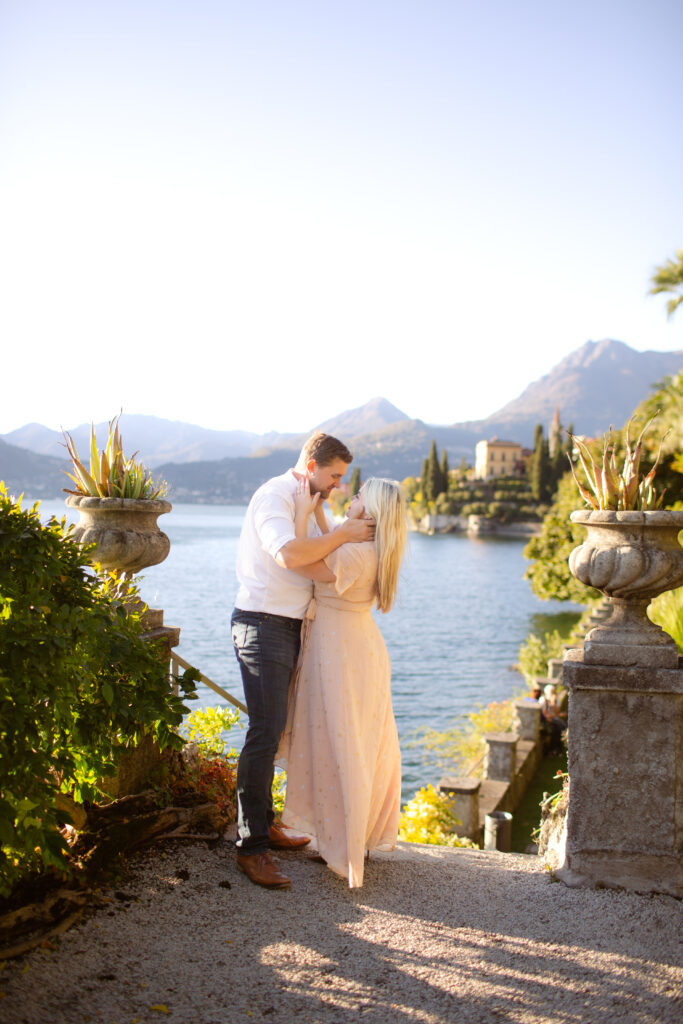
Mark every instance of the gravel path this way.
pixel 435 935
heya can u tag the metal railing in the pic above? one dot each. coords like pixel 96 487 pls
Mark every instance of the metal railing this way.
pixel 178 662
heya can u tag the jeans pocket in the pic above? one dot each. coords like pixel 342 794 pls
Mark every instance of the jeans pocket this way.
pixel 240 634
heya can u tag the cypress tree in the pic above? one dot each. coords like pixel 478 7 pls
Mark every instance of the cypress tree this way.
pixel 531 461
pixel 423 479
pixel 559 460
pixel 434 485
pixel 355 482
pixel 445 472
pixel 541 468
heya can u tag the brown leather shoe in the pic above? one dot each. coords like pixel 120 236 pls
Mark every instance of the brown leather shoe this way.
pixel 260 869
pixel 282 838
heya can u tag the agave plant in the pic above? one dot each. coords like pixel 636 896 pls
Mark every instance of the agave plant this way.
pixel 111 475
pixel 624 489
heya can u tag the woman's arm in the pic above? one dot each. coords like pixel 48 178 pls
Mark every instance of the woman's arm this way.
pixel 321 518
pixel 304 504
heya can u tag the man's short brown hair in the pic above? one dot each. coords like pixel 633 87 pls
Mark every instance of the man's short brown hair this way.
pixel 324 449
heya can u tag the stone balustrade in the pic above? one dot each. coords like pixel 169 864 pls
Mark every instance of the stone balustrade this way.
pixel 463 795
pixel 500 759
pixel 510 763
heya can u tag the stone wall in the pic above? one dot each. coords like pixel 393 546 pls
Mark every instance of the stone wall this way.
pixel 475 525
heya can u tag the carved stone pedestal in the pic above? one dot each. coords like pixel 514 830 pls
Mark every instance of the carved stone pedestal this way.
pixel 625 818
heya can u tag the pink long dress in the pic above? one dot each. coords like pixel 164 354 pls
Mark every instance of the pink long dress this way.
pixel 341 745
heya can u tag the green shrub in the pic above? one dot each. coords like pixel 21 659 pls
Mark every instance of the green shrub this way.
pixel 457 748
pixel 77 684
pixel 411 485
pixel 535 653
pixel 549 552
pixel 667 611
pixel 445 506
pixel 206 728
pixel 428 818
pixel 474 508
pixel 500 511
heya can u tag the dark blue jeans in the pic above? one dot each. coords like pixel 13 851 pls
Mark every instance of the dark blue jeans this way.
pixel 267 647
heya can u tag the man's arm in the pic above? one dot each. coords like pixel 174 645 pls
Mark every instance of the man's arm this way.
pixel 318 571
pixel 304 552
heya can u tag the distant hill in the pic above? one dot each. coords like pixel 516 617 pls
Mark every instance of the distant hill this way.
pixel 225 480
pixel 396 451
pixel 595 386
pixel 37 476
pixel 157 440
pixel 374 416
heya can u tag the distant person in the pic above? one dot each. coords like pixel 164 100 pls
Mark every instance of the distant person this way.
pixel 341 744
pixel 266 625
pixel 554 719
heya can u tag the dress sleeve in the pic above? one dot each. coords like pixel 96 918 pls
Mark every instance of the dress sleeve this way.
pixel 347 563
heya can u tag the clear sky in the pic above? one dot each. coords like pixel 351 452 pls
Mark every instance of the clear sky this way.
pixel 256 215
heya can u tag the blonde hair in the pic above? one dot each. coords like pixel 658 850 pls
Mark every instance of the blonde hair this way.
pixel 384 501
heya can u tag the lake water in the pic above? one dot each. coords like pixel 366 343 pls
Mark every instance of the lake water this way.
pixel 453 636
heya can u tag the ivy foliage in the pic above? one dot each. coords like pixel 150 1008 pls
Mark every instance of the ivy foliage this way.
pixel 78 684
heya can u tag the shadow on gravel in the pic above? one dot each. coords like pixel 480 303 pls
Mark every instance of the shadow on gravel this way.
pixel 460 938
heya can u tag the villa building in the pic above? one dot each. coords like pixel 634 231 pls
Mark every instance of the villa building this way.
pixel 498 458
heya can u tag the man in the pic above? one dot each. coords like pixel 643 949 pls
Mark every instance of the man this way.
pixel 266 625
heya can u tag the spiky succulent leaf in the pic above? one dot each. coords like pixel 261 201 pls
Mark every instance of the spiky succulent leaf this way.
pixel 589 498
pixel 609 481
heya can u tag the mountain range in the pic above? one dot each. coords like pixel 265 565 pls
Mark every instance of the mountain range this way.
pixel 597 385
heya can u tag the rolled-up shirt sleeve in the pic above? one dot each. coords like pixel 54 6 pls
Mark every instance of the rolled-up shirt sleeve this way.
pixel 274 522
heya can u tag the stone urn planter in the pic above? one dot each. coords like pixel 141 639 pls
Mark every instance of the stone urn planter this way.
pixel 124 530
pixel 631 557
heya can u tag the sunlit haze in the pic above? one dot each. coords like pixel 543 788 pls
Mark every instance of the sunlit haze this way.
pixel 254 216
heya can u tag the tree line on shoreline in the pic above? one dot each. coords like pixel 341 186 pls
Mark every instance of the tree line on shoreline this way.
pixel 523 496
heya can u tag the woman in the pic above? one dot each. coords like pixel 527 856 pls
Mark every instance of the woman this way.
pixel 341 745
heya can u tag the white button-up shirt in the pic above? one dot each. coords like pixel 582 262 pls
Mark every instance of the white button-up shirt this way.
pixel 268 525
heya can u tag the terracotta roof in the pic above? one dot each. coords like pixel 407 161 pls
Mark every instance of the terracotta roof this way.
pixel 495 443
